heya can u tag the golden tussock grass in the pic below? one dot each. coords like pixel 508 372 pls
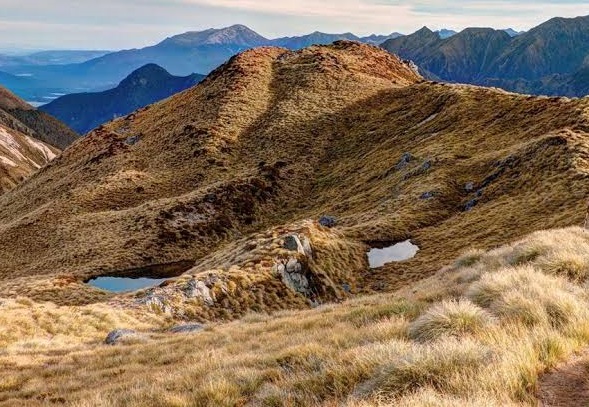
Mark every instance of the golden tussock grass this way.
pixel 447 340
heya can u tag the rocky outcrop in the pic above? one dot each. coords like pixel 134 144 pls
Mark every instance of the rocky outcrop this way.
pixel 199 289
pixel 294 269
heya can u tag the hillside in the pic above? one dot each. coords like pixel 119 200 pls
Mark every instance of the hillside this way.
pixel 150 83
pixel 24 133
pixel 219 190
pixel 481 332
pixel 460 57
pixel 19 115
pixel 273 138
pixel 540 61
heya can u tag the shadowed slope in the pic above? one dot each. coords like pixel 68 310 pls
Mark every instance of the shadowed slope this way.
pixel 148 84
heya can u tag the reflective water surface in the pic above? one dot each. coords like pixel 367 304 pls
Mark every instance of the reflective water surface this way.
pixel 397 252
pixel 122 284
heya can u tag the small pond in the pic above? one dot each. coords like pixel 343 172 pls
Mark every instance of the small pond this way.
pixel 397 252
pixel 123 284
pixel 143 277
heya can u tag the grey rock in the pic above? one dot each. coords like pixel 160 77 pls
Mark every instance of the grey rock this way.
pixel 346 287
pixel 132 140
pixel 298 243
pixel 328 221
pixel 469 187
pixel 292 274
pixel 185 329
pixel 210 198
pixel 427 195
pixel 291 242
pixel 198 289
pixel 156 303
pixel 119 335
pixel 293 270
pixel 426 165
pixel 470 205
pixel 404 161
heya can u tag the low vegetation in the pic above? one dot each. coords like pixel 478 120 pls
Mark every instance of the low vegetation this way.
pixel 477 333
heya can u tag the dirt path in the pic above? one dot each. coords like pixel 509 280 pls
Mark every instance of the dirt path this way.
pixel 566 385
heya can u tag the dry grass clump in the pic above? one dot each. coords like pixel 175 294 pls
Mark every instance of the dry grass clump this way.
pixel 528 295
pixel 29 325
pixel 442 365
pixel 572 264
pixel 452 318
pixel 469 258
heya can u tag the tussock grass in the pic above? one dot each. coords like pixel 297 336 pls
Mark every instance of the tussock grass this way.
pixel 444 364
pixel 450 318
pixel 469 258
pixel 484 342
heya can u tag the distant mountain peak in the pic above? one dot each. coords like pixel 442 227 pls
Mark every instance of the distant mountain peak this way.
pixel 149 69
pixel 237 34
pixel 148 84
pixel 512 32
pixel 445 33
pixel 424 30
pixel 145 74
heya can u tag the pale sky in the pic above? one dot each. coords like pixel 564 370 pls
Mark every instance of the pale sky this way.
pixel 118 24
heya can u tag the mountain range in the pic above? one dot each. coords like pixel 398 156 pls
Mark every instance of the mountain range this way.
pixel 183 54
pixel 549 59
pixel 444 55
pixel 57 57
pixel 149 84
pixel 445 33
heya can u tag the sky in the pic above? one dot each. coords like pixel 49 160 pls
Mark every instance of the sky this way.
pixel 121 24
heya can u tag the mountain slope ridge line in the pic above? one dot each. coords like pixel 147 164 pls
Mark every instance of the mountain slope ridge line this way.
pixel 226 170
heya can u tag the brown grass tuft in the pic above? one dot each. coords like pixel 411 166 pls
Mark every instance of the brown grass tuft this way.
pixel 450 318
